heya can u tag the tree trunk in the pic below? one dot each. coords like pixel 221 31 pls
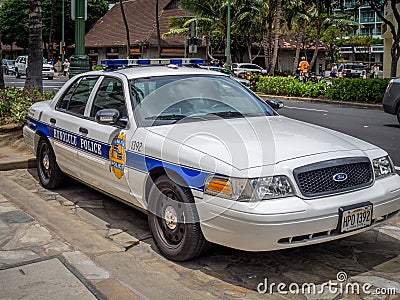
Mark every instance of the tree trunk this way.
pixel 50 45
pixel 314 57
pixel 395 54
pixel 2 85
pixel 298 46
pixel 158 31
pixel 34 78
pixel 128 39
pixel 276 37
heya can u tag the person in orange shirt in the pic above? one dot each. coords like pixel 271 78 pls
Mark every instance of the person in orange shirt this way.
pixel 303 65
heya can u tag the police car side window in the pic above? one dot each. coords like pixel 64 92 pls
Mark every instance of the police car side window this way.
pixel 76 97
pixel 110 94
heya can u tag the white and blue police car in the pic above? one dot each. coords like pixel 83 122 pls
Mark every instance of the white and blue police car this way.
pixel 208 160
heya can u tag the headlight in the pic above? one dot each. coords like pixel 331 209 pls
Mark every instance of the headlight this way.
pixel 383 166
pixel 249 189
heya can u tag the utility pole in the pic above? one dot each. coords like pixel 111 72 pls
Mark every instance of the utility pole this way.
pixel 80 17
pixel 62 32
pixel 79 62
pixel 228 38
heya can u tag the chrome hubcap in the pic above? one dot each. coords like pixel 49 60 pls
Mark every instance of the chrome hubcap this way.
pixel 46 161
pixel 170 217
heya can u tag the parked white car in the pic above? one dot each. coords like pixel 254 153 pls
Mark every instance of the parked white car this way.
pixel 21 66
pixel 246 68
pixel 209 161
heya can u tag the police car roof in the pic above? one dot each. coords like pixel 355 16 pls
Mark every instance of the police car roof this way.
pixel 150 71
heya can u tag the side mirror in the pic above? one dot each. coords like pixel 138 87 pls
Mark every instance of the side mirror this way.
pixel 108 116
pixel 275 103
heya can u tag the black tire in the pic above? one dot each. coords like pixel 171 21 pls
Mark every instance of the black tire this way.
pixel 398 114
pixel 181 240
pixel 17 75
pixel 7 72
pixel 50 175
pixel 50 78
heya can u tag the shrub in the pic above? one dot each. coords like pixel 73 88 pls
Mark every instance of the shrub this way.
pixel 14 104
pixel 357 89
pixel 290 86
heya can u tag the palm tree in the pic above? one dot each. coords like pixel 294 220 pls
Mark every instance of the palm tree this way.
pixel 2 85
pixel 128 39
pixel 276 35
pixel 158 31
pixel 34 78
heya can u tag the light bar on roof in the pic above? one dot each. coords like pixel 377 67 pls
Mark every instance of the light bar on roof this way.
pixel 123 63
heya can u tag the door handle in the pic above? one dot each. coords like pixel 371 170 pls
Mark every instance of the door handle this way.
pixel 83 130
pixel 53 121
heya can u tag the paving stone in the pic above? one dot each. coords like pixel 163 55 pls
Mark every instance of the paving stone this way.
pixel 16 216
pixel 389 234
pixel 392 266
pixel 86 266
pixel 124 239
pixel 56 248
pixel 90 218
pixel 91 203
pixel 377 282
pixel 44 280
pixel 113 231
pixel 16 256
pixel 29 235
pixel 7 207
pixel 3 199
pixel 114 290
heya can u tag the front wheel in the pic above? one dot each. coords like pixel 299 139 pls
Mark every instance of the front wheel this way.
pixel 50 175
pixel 398 114
pixel 174 222
pixel 17 75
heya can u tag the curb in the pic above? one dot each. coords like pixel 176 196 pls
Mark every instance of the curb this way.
pixel 352 104
pixel 18 164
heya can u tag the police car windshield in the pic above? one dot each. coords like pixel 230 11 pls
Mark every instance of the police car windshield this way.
pixel 165 100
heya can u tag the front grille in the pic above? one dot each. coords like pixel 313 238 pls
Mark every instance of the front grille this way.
pixel 318 179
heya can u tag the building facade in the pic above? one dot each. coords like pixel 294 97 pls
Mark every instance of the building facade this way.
pixel 369 24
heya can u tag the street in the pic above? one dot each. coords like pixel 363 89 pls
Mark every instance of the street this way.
pixel 48 85
pixel 116 237
pixel 371 125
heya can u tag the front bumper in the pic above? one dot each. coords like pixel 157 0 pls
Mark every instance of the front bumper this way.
pixel 290 222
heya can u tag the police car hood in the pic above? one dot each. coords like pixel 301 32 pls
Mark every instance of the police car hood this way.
pixel 259 141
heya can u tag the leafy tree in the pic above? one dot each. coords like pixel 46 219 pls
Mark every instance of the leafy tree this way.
pixel 394 27
pixel 14 20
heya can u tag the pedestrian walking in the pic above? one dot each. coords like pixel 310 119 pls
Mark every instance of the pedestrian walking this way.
pixel 340 69
pixel 334 71
pixel 66 67
pixel 376 71
pixel 303 65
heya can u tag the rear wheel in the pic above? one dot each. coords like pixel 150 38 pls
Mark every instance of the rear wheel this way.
pixel 17 75
pixel 174 222
pixel 50 77
pixel 50 175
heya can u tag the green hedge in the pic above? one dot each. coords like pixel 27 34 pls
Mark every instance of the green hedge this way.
pixel 14 104
pixel 357 90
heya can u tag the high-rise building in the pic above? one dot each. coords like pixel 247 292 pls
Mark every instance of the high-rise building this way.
pixel 369 24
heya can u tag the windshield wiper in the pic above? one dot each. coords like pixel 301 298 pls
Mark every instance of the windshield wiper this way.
pixel 166 117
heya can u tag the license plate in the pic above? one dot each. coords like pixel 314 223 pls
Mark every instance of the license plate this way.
pixel 355 217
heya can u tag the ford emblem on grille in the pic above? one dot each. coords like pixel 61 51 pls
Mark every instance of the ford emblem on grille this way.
pixel 340 177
